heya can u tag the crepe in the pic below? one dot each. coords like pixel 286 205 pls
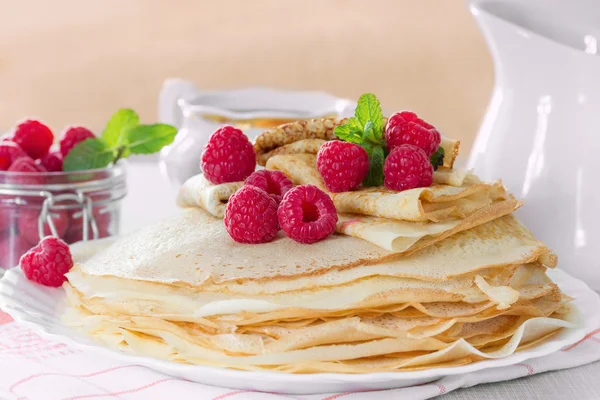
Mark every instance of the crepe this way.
pixel 391 234
pixel 199 192
pixel 268 143
pixel 436 203
pixel 177 251
pixel 362 345
pixel 116 296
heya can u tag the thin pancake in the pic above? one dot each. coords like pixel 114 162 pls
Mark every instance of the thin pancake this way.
pixel 323 129
pixel 436 203
pixel 199 192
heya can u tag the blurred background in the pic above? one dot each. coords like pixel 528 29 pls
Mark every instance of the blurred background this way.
pixel 73 61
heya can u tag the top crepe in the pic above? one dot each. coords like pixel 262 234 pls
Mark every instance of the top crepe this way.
pixel 194 248
pixel 287 135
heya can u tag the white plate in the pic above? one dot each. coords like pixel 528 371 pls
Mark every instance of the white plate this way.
pixel 40 307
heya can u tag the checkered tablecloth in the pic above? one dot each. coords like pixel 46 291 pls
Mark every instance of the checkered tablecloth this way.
pixel 33 368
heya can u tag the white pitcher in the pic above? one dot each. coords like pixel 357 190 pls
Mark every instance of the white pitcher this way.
pixel 541 132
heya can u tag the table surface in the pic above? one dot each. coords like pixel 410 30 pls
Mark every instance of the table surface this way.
pixel 151 198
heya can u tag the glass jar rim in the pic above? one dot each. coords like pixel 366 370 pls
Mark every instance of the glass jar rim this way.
pixel 89 180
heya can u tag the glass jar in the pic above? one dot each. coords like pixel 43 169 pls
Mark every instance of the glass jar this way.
pixel 197 114
pixel 74 206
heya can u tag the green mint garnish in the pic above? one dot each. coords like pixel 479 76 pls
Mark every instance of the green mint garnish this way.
pixel 115 133
pixel 376 161
pixel 89 154
pixel 148 139
pixel 437 158
pixel 351 132
pixel 122 136
pixel 369 110
pixel 366 130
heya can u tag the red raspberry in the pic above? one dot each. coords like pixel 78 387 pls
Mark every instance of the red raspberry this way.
pixel 6 218
pixel 307 214
pixel 9 153
pixel 275 183
pixel 34 138
pixel 48 262
pixel 228 156
pixel 342 165
pixel 407 167
pixel 12 247
pixel 407 128
pixel 31 171
pixel 74 232
pixel 251 216
pixel 73 136
pixel 28 224
pixel 52 162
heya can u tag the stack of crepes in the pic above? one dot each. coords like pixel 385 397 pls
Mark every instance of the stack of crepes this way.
pixel 424 278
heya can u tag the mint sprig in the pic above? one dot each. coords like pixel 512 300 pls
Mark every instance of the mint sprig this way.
pixel 437 158
pixel 366 130
pixel 123 136
pixel 376 161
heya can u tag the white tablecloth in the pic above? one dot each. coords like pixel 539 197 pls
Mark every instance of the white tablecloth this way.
pixel 32 368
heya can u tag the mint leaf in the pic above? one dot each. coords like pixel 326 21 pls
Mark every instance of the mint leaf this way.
pixel 148 139
pixel 369 133
pixel 369 109
pixel 89 154
pixel 115 133
pixel 376 160
pixel 352 131
pixel 437 158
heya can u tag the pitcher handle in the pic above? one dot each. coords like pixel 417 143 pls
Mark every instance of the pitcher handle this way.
pixel 173 89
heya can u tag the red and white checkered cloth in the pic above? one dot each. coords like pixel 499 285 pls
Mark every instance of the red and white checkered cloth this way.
pixel 33 368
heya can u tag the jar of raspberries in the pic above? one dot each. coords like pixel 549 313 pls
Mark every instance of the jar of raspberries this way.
pixel 38 198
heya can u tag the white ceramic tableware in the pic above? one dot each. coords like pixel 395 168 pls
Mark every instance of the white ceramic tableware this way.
pixel 541 133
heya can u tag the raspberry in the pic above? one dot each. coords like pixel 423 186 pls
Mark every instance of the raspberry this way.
pixel 12 247
pixel 9 153
pixel 407 167
pixel 228 156
pixel 342 165
pixel 307 214
pixel 48 262
pixel 6 218
pixel 275 183
pixel 251 216
pixel 73 136
pixel 28 224
pixel 406 128
pixel 52 162
pixel 31 172
pixel 34 138
pixel 75 230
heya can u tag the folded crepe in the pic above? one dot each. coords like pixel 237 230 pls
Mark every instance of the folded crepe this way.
pixel 199 192
pixel 462 195
pixel 472 204
pixel 182 290
pixel 307 136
